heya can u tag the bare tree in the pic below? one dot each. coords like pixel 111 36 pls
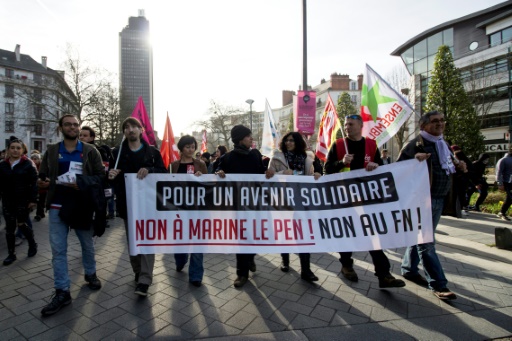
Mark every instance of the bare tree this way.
pixel 220 119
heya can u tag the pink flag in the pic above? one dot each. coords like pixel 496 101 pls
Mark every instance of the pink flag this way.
pixel 141 114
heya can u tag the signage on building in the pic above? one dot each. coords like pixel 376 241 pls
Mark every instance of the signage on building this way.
pixel 305 112
pixel 496 148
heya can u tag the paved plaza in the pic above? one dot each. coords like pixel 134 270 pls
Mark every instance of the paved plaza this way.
pixel 273 305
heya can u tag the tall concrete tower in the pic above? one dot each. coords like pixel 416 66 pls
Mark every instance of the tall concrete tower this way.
pixel 136 66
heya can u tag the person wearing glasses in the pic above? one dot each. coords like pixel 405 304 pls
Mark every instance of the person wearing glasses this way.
pixel 361 153
pixel 18 177
pixel 69 206
pixel 292 159
pixel 431 147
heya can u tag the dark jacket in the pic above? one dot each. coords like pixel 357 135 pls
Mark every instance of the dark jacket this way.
pixel 18 185
pixel 152 161
pixel 242 161
pixel 478 172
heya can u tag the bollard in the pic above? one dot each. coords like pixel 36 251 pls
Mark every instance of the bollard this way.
pixel 503 237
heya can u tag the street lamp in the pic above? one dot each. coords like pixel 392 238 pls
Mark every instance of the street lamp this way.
pixel 250 102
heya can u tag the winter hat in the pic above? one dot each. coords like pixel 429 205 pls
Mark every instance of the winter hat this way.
pixel 239 132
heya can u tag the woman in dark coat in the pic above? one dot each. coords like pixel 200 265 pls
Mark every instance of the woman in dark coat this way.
pixel 18 176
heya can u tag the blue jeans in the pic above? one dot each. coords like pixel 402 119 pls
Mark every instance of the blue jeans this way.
pixel 195 268
pixel 59 242
pixel 427 254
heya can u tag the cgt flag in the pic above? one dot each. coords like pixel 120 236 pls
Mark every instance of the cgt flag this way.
pixel 270 137
pixel 204 144
pixel 327 130
pixel 169 150
pixel 141 114
pixel 383 109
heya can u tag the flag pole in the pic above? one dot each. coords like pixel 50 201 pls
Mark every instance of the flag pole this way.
pixel 119 154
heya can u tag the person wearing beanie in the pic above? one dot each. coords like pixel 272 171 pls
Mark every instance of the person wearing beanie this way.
pixel 242 160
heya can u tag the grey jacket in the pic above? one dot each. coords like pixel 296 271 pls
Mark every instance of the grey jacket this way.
pixel 504 170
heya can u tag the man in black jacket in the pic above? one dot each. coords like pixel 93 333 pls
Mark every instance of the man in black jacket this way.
pixel 135 156
pixel 242 160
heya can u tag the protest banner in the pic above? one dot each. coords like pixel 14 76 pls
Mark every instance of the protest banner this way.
pixel 351 211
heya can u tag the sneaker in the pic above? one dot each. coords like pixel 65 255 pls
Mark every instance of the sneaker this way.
pixel 285 267
pixel 349 273
pixel 503 216
pixel 180 268
pixel 416 278
pixel 390 282
pixel 444 294
pixel 240 281
pixel 32 250
pixel 142 289
pixel 252 268
pixel 60 299
pixel 196 283
pixel 10 259
pixel 308 276
pixel 465 213
pixel 18 241
pixel 94 281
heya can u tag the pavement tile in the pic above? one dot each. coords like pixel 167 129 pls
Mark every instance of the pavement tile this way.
pixel 260 326
pixel 148 329
pixel 102 331
pixel 218 329
pixel 323 313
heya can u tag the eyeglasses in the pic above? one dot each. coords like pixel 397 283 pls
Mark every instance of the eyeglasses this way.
pixel 438 121
pixel 69 124
pixel 355 117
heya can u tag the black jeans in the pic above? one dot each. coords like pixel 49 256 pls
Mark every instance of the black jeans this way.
pixel 508 201
pixel 379 258
pixel 243 263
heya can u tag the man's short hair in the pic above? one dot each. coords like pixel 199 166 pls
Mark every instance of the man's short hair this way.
pixel 92 133
pixel 384 150
pixel 185 140
pixel 61 120
pixel 355 117
pixel 131 121
pixel 425 118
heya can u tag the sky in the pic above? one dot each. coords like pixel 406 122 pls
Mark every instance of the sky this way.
pixel 227 51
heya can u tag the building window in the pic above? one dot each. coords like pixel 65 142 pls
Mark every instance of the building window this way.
pixel 9 126
pixel 38 112
pixel 9 108
pixel 38 95
pixel 353 85
pixel 38 129
pixel 9 73
pixel 37 78
pixel 9 90
pixel 353 98
pixel 500 37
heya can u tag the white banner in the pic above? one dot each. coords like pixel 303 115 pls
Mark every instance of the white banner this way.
pixel 352 211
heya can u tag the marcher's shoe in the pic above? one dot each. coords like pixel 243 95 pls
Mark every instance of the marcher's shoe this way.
pixel 416 278
pixel 444 294
pixel 308 276
pixel 37 218
pixel 10 259
pixel 240 281
pixel 32 250
pixel 503 216
pixel 94 281
pixel 252 268
pixel 110 216
pixel 349 274
pixel 18 241
pixel 285 267
pixel 60 299
pixel 390 282
pixel 180 268
pixel 142 289
pixel 137 274
pixel 196 283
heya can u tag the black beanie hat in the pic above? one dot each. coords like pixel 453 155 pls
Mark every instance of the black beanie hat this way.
pixel 238 133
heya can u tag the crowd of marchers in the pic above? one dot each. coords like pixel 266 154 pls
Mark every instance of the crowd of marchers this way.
pixel 74 182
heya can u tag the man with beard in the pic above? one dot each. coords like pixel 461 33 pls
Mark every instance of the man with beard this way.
pixel 64 160
pixel 137 157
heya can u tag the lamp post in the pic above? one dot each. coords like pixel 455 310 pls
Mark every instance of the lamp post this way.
pixel 250 102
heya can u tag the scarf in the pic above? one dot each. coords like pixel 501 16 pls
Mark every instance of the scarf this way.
pixel 239 149
pixel 443 152
pixel 296 162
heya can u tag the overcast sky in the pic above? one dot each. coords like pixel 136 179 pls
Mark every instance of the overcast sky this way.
pixel 227 50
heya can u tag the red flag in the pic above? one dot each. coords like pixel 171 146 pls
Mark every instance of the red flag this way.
pixel 327 131
pixel 204 144
pixel 169 150
pixel 141 114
